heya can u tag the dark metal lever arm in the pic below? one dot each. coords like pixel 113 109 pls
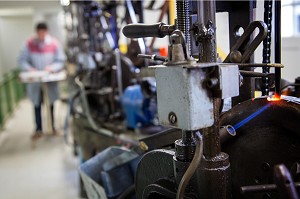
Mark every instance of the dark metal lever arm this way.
pixel 142 30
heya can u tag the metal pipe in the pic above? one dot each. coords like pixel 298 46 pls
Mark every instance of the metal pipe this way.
pixel 246 73
pixel 207 53
pixel 108 34
pixel 249 65
pixel 263 188
pixel 277 29
pixel 207 20
pixel 284 182
pixel 212 146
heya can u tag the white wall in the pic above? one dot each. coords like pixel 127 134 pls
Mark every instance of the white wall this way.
pixel 290 58
pixel 222 32
pixel 13 35
pixel 1 55
pixel 55 22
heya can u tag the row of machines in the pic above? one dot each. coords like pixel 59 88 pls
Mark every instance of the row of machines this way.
pixel 155 126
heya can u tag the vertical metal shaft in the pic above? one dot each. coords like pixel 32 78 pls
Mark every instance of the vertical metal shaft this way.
pixel 212 146
pixel 267 45
pixel 277 45
pixel 183 20
pixel 119 71
pixel 207 53
pixel 206 20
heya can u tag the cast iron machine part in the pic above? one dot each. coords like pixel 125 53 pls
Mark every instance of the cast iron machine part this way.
pixel 180 173
pixel 260 135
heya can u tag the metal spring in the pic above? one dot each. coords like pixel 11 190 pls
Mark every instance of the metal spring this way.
pixel 183 20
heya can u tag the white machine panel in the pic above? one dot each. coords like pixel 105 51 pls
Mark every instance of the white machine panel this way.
pixel 183 100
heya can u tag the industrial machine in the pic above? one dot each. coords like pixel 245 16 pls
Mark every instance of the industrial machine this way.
pixel 112 102
pixel 251 151
pixel 111 95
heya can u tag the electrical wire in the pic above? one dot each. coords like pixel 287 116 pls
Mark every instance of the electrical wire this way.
pixel 192 168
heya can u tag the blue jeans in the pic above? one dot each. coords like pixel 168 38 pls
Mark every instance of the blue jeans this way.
pixel 38 117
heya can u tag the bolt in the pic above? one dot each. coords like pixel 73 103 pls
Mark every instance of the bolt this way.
pixel 143 146
pixel 172 118
pixel 241 79
pixel 235 56
pixel 175 39
pixel 265 166
pixel 212 82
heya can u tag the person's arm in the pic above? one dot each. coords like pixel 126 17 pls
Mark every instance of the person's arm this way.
pixel 23 60
pixel 59 60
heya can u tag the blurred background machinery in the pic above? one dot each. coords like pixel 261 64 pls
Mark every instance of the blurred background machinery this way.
pixel 113 101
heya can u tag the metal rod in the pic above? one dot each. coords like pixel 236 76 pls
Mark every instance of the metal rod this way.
pixel 247 65
pixel 212 146
pixel 153 57
pixel 207 53
pixel 119 71
pixel 284 182
pixel 277 28
pixel 108 34
pixel 245 73
pixel 263 188
pixel 207 19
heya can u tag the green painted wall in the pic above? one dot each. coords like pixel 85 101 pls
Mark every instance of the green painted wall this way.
pixel 11 92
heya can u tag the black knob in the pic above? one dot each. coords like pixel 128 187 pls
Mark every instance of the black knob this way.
pixel 142 30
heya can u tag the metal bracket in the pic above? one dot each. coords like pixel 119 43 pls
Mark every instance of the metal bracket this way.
pixel 241 52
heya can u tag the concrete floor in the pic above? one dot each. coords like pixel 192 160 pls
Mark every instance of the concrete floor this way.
pixel 48 171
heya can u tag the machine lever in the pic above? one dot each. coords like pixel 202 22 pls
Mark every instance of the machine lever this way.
pixel 242 51
pixel 153 57
pixel 142 30
pixel 284 182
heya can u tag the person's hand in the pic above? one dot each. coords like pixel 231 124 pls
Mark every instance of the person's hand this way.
pixel 48 69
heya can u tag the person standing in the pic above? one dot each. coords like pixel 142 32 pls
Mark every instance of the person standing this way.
pixel 42 52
